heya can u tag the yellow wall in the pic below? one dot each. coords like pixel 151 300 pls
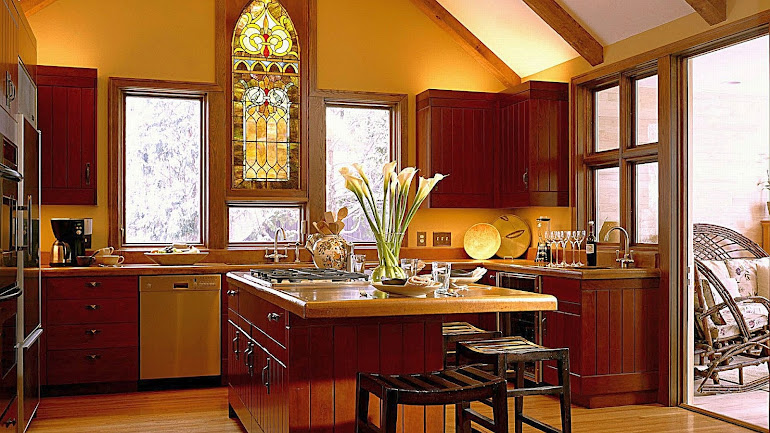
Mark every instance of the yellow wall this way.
pixel 169 39
pixel 657 37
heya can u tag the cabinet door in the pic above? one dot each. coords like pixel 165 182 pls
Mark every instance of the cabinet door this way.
pixel 269 392
pixel 67 120
pixel 9 49
pixel 513 165
pixel 561 329
pixel 548 162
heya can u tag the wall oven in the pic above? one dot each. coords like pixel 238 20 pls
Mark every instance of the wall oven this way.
pixel 526 324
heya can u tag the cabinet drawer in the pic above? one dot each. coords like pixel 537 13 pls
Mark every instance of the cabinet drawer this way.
pixel 88 288
pixel 64 337
pixel 564 289
pixel 264 315
pixel 95 365
pixel 97 310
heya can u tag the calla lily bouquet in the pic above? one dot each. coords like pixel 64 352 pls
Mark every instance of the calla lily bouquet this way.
pixel 390 219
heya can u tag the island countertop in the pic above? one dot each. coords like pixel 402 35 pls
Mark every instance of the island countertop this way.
pixel 334 301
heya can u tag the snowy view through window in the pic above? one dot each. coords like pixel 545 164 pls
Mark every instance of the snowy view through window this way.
pixel 355 135
pixel 163 170
pixel 258 224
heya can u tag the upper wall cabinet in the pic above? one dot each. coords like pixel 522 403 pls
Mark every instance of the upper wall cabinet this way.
pixel 9 65
pixel 67 120
pixel 533 167
pixel 457 134
pixel 500 150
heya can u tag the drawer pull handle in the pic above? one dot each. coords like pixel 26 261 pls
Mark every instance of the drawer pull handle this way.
pixel 10 423
pixel 92 307
pixel 235 345
pixel 93 284
pixel 273 317
pixel 232 292
pixel 94 357
pixel 93 331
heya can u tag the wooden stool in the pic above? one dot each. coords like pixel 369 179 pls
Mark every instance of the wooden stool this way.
pixel 455 332
pixel 514 352
pixel 457 386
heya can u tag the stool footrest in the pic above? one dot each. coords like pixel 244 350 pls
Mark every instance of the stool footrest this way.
pixel 539 425
pixel 540 390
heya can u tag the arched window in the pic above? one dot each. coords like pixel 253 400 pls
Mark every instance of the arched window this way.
pixel 265 98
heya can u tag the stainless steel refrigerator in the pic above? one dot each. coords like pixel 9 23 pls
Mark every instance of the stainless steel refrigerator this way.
pixel 28 329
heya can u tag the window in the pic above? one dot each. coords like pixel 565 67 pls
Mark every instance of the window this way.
pixel 355 134
pixel 265 99
pixel 254 224
pixel 620 154
pixel 163 172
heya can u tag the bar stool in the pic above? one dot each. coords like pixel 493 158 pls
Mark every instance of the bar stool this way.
pixel 514 352
pixel 455 332
pixel 459 386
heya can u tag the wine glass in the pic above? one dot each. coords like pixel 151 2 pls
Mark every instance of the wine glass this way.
pixel 565 238
pixel 581 236
pixel 554 248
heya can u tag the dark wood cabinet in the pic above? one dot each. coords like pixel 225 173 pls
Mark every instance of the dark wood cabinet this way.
pixel 92 330
pixel 458 135
pixel 500 150
pixel 9 67
pixel 533 167
pixel 67 120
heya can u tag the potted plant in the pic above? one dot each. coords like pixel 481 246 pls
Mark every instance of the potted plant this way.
pixel 390 217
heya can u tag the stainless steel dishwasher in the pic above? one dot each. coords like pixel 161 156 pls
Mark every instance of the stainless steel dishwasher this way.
pixel 179 326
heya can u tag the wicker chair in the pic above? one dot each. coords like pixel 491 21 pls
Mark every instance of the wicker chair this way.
pixel 718 344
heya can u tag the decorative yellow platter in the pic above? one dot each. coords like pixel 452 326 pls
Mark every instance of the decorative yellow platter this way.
pixel 516 236
pixel 481 241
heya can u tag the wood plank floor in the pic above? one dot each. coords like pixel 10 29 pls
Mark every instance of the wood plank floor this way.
pixel 193 411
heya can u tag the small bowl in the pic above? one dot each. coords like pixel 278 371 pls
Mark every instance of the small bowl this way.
pixel 176 259
pixel 84 260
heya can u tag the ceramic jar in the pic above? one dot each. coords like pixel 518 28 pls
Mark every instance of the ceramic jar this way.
pixel 328 251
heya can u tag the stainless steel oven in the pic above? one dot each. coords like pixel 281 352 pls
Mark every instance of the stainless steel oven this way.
pixel 528 324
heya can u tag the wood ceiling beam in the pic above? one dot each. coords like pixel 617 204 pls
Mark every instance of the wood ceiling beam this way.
pixel 713 11
pixel 469 41
pixel 569 29
pixel 32 6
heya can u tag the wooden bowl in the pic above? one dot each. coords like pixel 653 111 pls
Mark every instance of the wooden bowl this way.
pixel 176 259
pixel 412 291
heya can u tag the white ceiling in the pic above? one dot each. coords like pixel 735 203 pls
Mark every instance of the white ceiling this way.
pixel 528 45
pixel 610 21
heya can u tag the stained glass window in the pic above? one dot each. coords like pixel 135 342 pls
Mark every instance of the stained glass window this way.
pixel 266 98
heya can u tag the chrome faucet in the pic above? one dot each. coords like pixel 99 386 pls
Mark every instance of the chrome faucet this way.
pixel 627 256
pixel 276 256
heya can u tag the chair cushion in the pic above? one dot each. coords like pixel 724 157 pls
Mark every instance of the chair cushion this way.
pixel 763 277
pixel 745 272
pixel 755 316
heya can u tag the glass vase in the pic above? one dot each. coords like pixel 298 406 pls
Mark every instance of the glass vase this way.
pixel 388 252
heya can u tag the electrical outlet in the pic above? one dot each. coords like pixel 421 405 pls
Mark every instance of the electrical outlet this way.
pixel 442 239
pixel 422 239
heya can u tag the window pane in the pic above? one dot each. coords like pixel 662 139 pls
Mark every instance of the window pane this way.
pixel 647 110
pixel 647 203
pixel 607 200
pixel 607 119
pixel 355 135
pixel 259 224
pixel 163 170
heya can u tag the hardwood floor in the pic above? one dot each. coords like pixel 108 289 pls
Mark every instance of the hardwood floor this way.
pixel 193 411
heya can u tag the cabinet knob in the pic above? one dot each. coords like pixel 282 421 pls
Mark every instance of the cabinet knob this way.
pixel 232 292
pixel 93 331
pixel 93 284
pixel 10 423
pixel 92 307
pixel 94 356
pixel 273 317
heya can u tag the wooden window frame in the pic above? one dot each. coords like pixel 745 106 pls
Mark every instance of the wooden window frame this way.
pixel 321 99
pixel 119 88
pixel 625 157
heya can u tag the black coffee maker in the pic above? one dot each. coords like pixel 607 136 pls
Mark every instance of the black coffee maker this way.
pixel 73 237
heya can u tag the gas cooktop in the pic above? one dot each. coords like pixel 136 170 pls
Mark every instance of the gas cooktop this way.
pixel 272 277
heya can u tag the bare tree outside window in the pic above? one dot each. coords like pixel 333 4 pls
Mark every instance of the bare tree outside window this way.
pixel 356 135
pixel 163 145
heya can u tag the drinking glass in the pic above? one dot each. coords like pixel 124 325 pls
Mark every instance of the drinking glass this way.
pixel 547 239
pixel 564 239
pixel 410 266
pixel 580 238
pixel 440 272
pixel 358 262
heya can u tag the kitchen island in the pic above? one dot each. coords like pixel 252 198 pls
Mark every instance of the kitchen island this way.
pixel 295 351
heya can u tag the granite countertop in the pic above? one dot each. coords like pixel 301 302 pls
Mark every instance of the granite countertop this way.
pixel 326 301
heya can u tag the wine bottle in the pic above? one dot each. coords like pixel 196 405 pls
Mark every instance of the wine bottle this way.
pixel 591 245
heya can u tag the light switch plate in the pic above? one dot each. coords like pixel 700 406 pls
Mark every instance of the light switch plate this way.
pixel 442 239
pixel 422 239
